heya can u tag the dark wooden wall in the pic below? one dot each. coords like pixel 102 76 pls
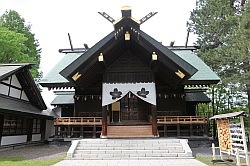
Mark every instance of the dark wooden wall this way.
pixel 67 111
pixel 93 106
pixel 128 68
pixel 171 107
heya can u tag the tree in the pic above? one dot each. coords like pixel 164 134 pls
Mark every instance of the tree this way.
pixel 222 27
pixel 239 46
pixel 12 46
pixel 223 34
pixel 212 21
pixel 14 22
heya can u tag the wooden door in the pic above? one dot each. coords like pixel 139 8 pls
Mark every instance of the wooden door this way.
pixel 129 108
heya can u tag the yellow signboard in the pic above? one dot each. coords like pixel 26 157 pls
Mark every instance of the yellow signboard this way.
pixel 116 106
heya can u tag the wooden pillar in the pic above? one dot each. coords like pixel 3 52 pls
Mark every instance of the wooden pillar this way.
pixel 43 128
pixel 191 130
pixel 165 130
pixel 56 132
pixel 205 129
pixel 68 131
pixel 104 122
pixel 29 129
pixel 178 130
pixel 94 131
pixel 81 131
pixel 154 120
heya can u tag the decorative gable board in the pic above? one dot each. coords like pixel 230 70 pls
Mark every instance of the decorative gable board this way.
pixel 13 88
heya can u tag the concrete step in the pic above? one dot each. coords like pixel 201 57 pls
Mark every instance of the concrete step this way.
pixel 112 149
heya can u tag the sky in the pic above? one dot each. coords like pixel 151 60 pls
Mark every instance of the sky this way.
pixel 52 20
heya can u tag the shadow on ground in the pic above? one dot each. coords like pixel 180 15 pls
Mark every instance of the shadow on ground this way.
pixel 38 152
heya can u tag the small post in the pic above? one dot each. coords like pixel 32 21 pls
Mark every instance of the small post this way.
pixel 244 140
pixel 56 132
pixel 94 131
pixel 81 131
pixel 165 130
pixel 191 130
pixel 178 130
pixel 237 157
pixel 213 151
pixel 68 131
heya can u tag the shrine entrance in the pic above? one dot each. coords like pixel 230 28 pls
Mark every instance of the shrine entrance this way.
pixel 130 110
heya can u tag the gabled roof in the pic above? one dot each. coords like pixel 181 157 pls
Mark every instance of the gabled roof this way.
pixel 114 45
pixel 85 70
pixel 53 78
pixel 7 70
pixel 90 59
pixel 204 75
pixel 197 97
pixel 21 70
pixel 228 115
pixel 63 99
pixel 19 106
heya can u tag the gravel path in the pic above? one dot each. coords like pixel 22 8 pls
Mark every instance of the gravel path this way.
pixel 38 152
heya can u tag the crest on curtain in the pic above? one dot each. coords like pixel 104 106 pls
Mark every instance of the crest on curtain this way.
pixel 112 92
pixel 115 94
pixel 143 93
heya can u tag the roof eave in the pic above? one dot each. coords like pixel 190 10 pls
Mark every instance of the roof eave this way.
pixel 188 68
pixel 71 69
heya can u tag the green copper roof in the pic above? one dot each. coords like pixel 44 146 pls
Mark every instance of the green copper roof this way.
pixel 53 76
pixel 63 99
pixel 204 72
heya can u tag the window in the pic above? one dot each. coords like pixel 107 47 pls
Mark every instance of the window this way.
pixel 36 126
pixel 14 125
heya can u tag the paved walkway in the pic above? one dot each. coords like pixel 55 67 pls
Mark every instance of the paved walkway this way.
pixel 168 162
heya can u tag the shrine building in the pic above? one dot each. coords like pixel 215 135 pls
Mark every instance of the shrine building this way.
pixel 129 85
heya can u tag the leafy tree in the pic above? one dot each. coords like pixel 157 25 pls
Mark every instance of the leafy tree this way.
pixel 12 46
pixel 239 47
pixel 222 27
pixel 14 22
pixel 223 30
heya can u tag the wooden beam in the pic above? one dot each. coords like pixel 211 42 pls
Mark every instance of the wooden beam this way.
pixel 104 122
pixel 154 120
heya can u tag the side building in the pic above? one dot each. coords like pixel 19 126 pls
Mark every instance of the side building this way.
pixel 22 119
pixel 130 85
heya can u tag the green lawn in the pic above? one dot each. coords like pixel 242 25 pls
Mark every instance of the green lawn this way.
pixel 19 161
pixel 207 160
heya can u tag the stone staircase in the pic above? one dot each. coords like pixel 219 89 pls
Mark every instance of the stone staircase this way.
pixel 128 149
pixel 142 131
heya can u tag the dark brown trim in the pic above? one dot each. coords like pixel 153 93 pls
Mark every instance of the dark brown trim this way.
pixel 29 129
pixel 104 122
pixel 154 120
pixel 11 85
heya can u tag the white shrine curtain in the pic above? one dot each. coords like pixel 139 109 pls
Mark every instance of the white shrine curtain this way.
pixel 112 92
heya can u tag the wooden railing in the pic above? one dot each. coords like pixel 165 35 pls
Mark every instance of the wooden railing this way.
pixel 78 121
pixel 181 120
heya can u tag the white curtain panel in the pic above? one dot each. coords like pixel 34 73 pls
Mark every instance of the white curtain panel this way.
pixel 112 92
